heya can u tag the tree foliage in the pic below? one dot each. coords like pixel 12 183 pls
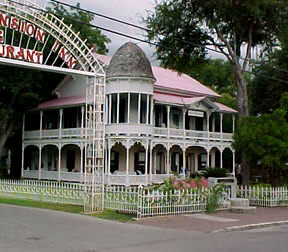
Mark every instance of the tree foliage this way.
pixel 264 140
pixel 80 21
pixel 183 30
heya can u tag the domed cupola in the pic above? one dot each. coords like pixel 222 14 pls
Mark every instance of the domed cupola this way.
pixel 131 62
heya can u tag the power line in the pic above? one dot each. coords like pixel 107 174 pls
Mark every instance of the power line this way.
pixel 251 61
pixel 122 34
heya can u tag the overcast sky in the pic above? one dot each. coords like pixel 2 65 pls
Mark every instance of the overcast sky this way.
pixel 131 11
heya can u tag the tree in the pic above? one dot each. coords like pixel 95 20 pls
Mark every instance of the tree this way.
pixel 264 140
pixel 265 93
pixel 24 90
pixel 184 29
pixel 80 21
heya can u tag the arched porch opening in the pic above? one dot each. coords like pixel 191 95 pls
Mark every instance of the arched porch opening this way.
pixel 176 158
pixel 50 157
pixel 138 159
pixel 215 158
pixel 228 160
pixel 31 158
pixel 118 159
pixel 159 156
pixel 196 159
pixel 71 158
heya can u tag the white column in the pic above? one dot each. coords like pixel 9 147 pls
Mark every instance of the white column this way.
pixel 208 158
pixel 59 162
pixel 110 109
pixel 221 158
pixel 233 123
pixel 127 164
pixel 151 161
pixel 118 106
pixel 81 161
pixel 40 161
pixel 139 108
pixel 213 158
pixel 168 160
pixel 82 117
pixel 41 123
pixel 184 163
pixel 60 122
pixel 146 162
pixel 208 124
pixel 168 120
pixel 129 101
pixel 184 121
pixel 147 109
pixel 152 111
pixel 233 164
pixel 109 163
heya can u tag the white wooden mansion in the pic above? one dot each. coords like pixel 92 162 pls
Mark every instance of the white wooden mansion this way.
pixel 157 122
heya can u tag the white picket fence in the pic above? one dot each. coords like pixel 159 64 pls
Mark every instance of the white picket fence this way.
pixel 48 191
pixel 264 196
pixel 145 202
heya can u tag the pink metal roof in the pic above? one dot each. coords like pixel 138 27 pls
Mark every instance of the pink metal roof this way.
pixel 175 99
pixel 60 102
pixel 224 108
pixel 169 79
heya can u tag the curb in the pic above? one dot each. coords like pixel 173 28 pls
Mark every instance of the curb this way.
pixel 250 226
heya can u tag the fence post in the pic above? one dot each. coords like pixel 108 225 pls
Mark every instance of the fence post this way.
pixel 139 202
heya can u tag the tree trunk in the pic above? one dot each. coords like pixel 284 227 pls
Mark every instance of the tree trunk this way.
pixel 6 130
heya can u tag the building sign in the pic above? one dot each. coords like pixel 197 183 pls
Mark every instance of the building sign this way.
pixel 195 113
pixel 33 32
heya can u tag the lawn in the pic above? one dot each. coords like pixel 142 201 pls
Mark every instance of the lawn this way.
pixel 106 214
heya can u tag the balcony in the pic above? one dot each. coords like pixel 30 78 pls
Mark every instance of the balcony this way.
pixel 191 134
pixel 56 133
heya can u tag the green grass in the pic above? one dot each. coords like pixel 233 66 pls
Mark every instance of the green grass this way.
pixel 106 214
pixel 114 215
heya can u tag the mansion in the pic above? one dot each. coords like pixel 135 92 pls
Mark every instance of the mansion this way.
pixel 158 123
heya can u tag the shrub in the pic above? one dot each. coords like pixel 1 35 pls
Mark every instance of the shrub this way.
pixel 215 172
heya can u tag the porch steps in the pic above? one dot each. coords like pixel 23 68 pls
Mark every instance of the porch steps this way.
pixel 239 205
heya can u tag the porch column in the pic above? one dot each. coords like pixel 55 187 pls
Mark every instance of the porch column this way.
pixel 59 161
pixel 208 158
pixel 184 162
pixel 118 105
pixel 168 120
pixel 213 158
pixel 151 111
pixel 129 100
pixel 41 123
pixel 168 160
pixel 147 109
pixel 40 161
pixel 82 119
pixel 110 109
pixel 221 158
pixel 207 123
pixel 139 108
pixel 146 162
pixel 60 122
pixel 221 125
pixel 109 162
pixel 151 161
pixel 233 163
pixel 127 164
pixel 81 158
pixel 233 123
pixel 196 168
pixel 184 122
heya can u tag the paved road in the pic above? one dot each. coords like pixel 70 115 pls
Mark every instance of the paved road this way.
pixel 25 229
